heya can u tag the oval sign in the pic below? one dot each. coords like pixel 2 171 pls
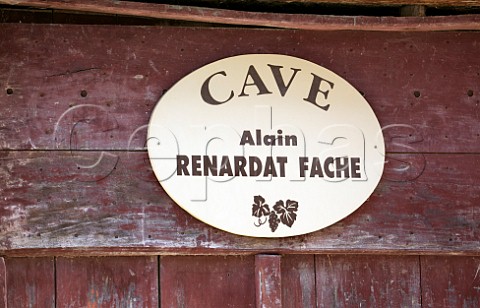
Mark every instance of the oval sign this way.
pixel 266 145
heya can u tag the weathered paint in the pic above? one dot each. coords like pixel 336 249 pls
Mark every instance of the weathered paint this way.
pixel 107 282
pixel 368 281
pixel 207 281
pixel 268 281
pixel 114 205
pixel 30 282
pixel 3 283
pixel 450 281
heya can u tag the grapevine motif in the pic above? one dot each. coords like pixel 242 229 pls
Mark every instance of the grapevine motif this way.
pixel 282 212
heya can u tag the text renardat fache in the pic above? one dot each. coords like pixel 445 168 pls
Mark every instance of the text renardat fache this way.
pixel 269 166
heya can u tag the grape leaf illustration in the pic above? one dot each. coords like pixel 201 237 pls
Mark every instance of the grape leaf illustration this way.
pixel 259 207
pixel 286 211
pixel 273 221
pixel 281 213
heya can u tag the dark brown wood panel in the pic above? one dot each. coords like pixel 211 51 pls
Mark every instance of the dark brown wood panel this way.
pixel 450 281
pixel 298 281
pixel 209 281
pixel 107 282
pixel 94 87
pixel 121 208
pixel 3 283
pixel 30 282
pixel 368 281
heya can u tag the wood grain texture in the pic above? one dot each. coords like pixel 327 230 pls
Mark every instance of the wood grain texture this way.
pixel 368 281
pixel 30 282
pixel 61 93
pixel 74 118
pixel 275 20
pixel 107 282
pixel 268 281
pixel 72 5
pixel 3 283
pixel 123 206
pixel 211 281
pixel 450 281
pixel 298 281
pixel 396 2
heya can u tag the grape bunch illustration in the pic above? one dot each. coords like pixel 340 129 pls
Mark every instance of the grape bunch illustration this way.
pixel 282 212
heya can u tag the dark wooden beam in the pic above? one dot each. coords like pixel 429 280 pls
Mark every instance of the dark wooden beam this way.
pixel 413 10
pixel 464 3
pixel 242 18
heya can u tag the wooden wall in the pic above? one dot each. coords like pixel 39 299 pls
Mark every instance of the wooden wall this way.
pixel 83 220
pixel 234 281
pixel 76 101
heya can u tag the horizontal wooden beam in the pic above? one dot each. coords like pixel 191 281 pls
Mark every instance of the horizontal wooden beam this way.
pixel 289 21
pixel 435 3
pixel 73 87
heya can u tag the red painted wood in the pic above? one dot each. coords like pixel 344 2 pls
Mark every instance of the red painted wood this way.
pixel 450 281
pixel 128 210
pixel 298 281
pixel 268 281
pixel 107 282
pixel 61 93
pixel 197 281
pixel 368 281
pixel 292 21
pixel 30 282
pixel 124 71
pixel 3 283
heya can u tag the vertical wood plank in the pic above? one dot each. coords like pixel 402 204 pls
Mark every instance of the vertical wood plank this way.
pixel 368 281
pixel 207 281
pixel 268 281
pixel 450 281
pixel 3 284
pixel 107 282
pixel 30 282
pixel 298 281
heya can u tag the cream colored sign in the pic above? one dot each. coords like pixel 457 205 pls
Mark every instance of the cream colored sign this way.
pixel 266 145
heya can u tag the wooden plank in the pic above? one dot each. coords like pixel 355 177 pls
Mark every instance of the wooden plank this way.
pixel 3 283
pixel 30 282
pixel 268 281
pixel 60 93
pixel 188 281
pixel 368 281
pixel 107 282
pixel 276 20
pixel 8 15
pixel 122 209
pixel 450 281
pixel 117 206
pixel 298 281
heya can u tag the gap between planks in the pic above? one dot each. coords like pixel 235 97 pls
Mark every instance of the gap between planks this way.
pixel 259 19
